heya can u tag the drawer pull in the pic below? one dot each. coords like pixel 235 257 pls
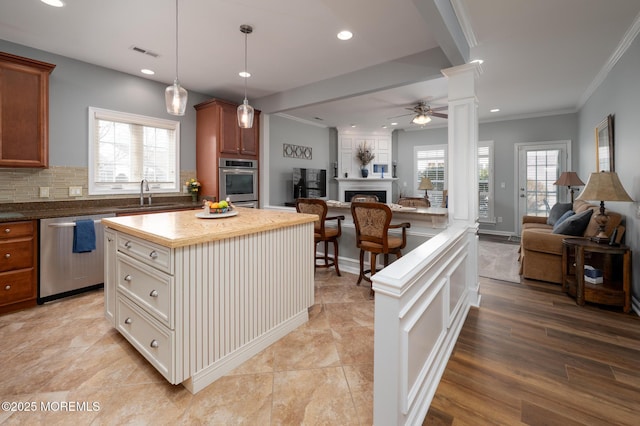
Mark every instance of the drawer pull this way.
pixel 128 277
pixel 127 244
pixel 7 230
pixel 153 255
pixel 7 287
pixel 154 293
pixel 8 255
pixel 154 343
pixel 128 321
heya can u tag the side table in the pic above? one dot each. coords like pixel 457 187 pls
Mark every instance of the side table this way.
pixel 614 261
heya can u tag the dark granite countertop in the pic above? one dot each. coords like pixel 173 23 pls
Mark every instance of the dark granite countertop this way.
pixel 120 206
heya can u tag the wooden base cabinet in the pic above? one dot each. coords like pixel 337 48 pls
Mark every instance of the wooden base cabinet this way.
pixel 18 265
pixel 219 136
pixel 24 112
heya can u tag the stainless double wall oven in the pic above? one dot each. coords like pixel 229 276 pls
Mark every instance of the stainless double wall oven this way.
pixel 238 180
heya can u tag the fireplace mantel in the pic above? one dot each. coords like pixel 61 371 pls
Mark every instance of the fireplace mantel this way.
pixel 365 184
pixel 361 179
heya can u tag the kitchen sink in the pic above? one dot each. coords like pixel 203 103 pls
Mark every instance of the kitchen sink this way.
pixel 10 215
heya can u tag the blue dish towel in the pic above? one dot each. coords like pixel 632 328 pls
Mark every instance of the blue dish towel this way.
pixel 84 236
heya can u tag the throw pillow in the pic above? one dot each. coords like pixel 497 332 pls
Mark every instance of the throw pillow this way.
pixel 575 225
pixel 565 216
pixel 557 211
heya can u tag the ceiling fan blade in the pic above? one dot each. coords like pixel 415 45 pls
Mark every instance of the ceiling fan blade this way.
pixel 439 114
pixel 403 115
pixel 440 108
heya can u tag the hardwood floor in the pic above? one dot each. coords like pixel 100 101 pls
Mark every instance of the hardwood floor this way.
pixel 530 355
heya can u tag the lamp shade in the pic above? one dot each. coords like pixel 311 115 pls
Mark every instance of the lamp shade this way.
pixel 569 179
pixel 425 184
pixel 604 186
pixel 421 119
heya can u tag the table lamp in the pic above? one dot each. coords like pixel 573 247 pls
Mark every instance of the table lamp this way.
pixel 603 186
pixel 569 179
pixel 425 184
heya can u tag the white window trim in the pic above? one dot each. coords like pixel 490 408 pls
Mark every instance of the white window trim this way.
pixel 124 117
pixel 491 185
pixel 418 192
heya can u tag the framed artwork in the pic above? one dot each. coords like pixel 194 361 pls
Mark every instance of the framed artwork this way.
pixel 604 145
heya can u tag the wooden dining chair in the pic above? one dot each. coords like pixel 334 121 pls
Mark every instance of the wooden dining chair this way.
pixel 373 222
pixel 322 233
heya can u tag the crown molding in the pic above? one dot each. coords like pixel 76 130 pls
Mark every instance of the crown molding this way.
pixel 623 46
pixel 465 24
pixel 301 120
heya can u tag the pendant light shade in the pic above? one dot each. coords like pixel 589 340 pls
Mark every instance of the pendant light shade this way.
pixel 245 111
pixel 175 96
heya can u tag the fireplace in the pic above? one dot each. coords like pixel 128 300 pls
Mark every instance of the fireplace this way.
pixel 381 187
pixel 382 195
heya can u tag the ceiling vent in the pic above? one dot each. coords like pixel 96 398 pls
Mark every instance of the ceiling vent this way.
pixel 145 51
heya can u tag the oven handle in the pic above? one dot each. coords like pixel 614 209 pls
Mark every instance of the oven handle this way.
pixel 246 170
pixel 68 224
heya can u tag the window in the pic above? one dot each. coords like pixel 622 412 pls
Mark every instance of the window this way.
pixel 430 162
pixel 485 181
pixel 126 148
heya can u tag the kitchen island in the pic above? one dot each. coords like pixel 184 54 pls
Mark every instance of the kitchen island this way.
pixel 199 296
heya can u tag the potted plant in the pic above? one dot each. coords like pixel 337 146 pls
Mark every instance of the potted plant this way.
pixel 364 156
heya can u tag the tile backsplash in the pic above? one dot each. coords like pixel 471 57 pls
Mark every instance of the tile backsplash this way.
pixel 23 185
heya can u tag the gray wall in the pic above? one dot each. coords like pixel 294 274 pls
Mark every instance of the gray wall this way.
pixel 619 94
pixel 504 134
pixel 75 86
pixel 284 130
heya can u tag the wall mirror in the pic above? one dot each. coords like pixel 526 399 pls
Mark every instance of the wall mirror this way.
pixel 604 145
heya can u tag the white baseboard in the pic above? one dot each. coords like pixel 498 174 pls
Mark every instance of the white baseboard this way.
pixel 499 233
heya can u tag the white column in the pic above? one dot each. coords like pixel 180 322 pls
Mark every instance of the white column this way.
pixel 462 163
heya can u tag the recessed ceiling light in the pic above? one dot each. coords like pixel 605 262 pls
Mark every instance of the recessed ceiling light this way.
pixel 345 35
pixel 394 124
pixel 54 3
pixel 384 126
pixel 244 74
pixel 494 110
pixel 353 125
pixel 477 61
pixel 147 71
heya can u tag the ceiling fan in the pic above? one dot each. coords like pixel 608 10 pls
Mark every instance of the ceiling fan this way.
pixel 423 113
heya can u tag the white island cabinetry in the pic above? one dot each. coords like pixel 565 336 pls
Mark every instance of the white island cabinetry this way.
pixel 197 297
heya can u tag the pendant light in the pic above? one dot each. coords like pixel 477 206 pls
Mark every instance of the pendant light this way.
pixel 245 111
pixel 175 96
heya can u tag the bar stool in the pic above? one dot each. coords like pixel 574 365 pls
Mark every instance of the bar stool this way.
pixel 373 221
pixel 322 233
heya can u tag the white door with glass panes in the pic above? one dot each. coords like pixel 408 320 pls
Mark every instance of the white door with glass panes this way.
pixel 538 167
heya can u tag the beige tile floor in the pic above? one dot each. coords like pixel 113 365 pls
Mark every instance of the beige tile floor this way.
pixel 65 351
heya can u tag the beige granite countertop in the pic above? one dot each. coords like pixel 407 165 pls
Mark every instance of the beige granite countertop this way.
pixel 183 228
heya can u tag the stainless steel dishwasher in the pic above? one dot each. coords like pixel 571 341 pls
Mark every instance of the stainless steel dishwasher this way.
pixel 62 272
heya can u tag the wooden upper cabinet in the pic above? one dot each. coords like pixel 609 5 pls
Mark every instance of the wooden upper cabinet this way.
pixel 229 130
pixel 249 138
pixel 24 111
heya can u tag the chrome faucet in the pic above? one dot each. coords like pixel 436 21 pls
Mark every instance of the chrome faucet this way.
pixel 144 185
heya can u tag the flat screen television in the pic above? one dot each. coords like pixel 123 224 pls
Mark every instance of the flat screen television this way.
pixel 309 183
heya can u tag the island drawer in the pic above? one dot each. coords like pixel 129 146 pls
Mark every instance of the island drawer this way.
pixel 152 340
pixel 17 286
pixel 16 229
pixel 149 288
pixel 147 252
pixel 16 254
